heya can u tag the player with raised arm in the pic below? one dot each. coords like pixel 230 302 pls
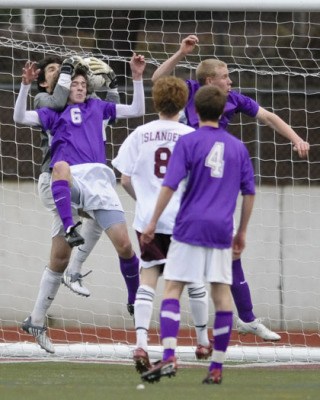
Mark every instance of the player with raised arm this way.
pixel 142 160
pixel 216 167
pixel 214 72
pixel 53 81
pixel 112 222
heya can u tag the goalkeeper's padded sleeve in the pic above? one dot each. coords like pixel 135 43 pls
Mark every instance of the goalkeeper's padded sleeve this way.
pixel 66 69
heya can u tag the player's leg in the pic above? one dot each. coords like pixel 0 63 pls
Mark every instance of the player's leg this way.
pixel 241 292
pixel 247 322
pixel 143 308
pixel 169 327
pixel 73 277
pixel 113 223
pixel 152 258
pixel 35 324
pixel 198 300
pixel 184 264
pixel 61 192
pixel 219 273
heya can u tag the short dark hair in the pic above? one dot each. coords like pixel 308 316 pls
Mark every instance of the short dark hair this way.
pixel 80 70
pixel 209 103
pixel 42 66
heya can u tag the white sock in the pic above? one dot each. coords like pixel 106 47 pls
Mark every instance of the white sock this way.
pixel 49 286
pixel 143 308
pixel 198 299
pixel 91 232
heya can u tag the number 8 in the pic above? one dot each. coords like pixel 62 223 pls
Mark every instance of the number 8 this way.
pixel 161 159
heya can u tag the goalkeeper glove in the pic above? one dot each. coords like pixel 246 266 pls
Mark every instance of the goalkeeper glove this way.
pixel 70 64
pixel 101 74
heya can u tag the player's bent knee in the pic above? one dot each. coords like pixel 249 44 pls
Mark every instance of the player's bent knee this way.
pixel 61 170
pixel 125 250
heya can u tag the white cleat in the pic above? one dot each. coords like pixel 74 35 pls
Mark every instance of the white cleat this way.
pixel 74 283
pixel 257 328
pixel 39 333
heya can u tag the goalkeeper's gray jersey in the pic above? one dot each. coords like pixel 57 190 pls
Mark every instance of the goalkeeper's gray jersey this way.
pixel 56 101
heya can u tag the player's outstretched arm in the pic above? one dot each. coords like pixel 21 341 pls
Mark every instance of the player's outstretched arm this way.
pixel 275 122
pixel 187 46
pixel 20 113
pixel 137 107
pixel 29 73
pixel 137 65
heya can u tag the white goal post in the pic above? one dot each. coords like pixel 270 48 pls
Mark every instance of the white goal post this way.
pixel 273 55
pixel 213 5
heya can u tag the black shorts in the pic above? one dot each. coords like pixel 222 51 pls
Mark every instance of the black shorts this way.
pixel 155 250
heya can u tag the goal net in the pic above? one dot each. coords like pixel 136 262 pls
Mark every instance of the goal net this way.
pixel 274 58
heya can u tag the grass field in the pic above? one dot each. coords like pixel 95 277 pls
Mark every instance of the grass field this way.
pixel 86 381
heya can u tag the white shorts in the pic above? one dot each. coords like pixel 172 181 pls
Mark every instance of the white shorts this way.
pixel 93 189
pixel 95 186
pixel 188 263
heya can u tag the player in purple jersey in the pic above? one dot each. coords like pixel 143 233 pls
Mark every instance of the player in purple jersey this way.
pixel 215 72
pixel 53 77
pixel 142 161
pixel 216 167
pixel 85 173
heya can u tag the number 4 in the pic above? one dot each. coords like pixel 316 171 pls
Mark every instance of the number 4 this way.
pixel 215 160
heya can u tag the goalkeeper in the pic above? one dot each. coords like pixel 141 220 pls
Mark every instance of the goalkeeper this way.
pixel 214 72
pixel 54 80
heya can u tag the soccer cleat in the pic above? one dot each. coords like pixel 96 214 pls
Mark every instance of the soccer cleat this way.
pixel 130 308
pixel 257 328
pixel 141 360
pixel 159 369
pixel 39 333
pixel 74 283
pixel 203 352
pixel 73 237
pixel 214 377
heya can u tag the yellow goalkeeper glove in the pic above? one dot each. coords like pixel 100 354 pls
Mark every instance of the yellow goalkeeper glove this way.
pixel 101 74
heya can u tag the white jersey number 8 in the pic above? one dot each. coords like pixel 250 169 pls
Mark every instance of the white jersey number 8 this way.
pixel 161 159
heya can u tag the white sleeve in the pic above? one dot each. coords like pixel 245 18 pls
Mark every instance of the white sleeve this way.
pixel 137 107
pixel 125 161
pixel 65 80
pixel 20 114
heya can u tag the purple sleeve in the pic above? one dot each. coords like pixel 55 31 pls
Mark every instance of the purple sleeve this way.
pixel 46 117
pixel 245 104
pixel 177 166
pixel 109 111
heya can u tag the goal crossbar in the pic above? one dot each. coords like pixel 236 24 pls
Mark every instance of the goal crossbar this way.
pixel 213 5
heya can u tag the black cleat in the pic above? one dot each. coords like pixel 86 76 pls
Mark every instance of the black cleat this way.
pixel 130 308
pixel 141 360
pixel 73 237
pixel 159 369
pixel 214 377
